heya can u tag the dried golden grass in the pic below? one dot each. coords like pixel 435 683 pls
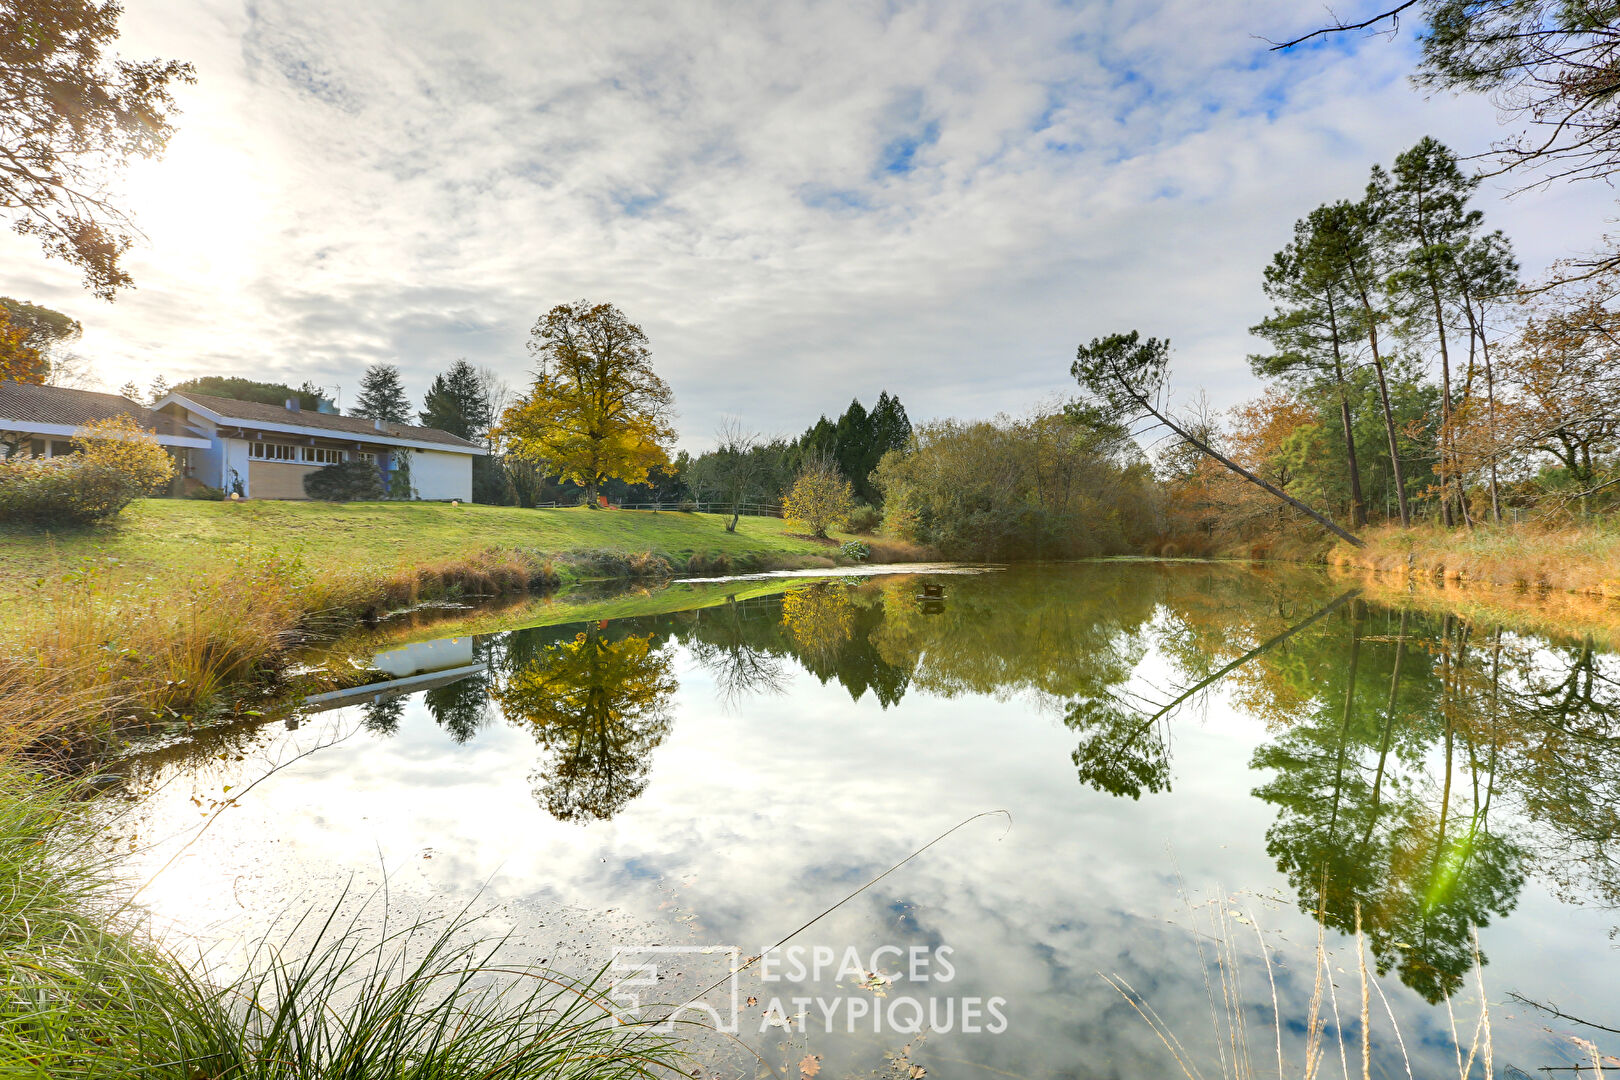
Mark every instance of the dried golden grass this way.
pixel 1574 559
pixel 1234 1032
pixel 890 549
pixel 78 657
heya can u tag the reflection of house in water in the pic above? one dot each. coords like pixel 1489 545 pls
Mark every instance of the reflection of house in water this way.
pixel 421 665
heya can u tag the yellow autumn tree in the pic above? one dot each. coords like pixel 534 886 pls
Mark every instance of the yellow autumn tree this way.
pixel 18 359
pixel 820 497
pixel 120 445
pixel 597 410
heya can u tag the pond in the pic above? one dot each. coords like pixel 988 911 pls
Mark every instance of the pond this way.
pixel 1185 760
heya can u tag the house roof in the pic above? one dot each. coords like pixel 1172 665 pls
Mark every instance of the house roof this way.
pixel 45 407
pixel 252 413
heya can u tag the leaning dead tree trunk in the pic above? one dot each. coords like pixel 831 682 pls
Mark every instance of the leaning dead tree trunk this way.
pixel 1203 447
pixel 1127 374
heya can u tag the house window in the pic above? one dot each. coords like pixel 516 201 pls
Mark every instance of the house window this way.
pixel 320 455
pixel 368 456
pixel 273 451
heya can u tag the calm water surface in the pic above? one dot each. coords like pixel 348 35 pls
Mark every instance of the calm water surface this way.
pixel 1192 759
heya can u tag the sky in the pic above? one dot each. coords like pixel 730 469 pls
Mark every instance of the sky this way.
pixel 800 203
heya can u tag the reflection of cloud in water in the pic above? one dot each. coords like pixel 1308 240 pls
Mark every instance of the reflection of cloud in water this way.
pixel 761 810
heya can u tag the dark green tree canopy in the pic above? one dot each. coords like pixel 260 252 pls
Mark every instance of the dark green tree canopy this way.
pixel 238 389
pixel 382 396
pixel 458 402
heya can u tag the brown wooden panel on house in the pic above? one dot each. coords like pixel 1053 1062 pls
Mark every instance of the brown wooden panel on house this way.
pixel 276 480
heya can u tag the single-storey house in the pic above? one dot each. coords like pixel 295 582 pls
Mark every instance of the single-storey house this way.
pixel 255 450
pixel 265 451
pixel 40 421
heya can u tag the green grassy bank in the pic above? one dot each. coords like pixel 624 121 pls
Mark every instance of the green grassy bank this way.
pixel 182 608
pixel 157 543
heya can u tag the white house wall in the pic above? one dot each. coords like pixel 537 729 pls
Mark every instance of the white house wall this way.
pixel 237 462
pixel 436 475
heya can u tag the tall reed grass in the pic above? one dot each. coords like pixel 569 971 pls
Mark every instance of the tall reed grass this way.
pixel 79 657
pixel 84 992
pixel 1582 559
pixel 1243 1052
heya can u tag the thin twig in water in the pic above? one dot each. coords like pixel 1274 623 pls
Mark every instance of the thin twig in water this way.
pixel 751 961
pixel 1366 1010
pixel 1553 1011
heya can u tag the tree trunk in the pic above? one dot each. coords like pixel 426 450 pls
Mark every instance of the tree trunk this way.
pixel 1358 505
pixel 1383 397
pixel 1204 448
pixel 1389 723
pixel 1447 462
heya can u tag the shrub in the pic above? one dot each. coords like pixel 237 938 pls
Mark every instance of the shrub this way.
pixel 708 562
pixel 863 519
pixel 855 550
pixel 687 506
pixel 204 493
pixel 347 481
pixel 820 498
pixel 120 444
pixel 117 463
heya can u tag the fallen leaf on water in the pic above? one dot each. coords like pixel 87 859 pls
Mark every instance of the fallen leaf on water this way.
pixel 810 1066
pixel 917 1072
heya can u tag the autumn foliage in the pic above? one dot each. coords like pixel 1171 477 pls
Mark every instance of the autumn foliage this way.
pixel 597 410
pixel 820 498
pixel 18 360
pixel 116 463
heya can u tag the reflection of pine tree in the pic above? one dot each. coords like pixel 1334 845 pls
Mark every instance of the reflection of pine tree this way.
pixel 461 707
pixel 1360 825
pixel 382 714
pixel 598 708
pixel 1120 751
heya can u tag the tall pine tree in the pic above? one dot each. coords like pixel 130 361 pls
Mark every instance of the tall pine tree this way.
pixel 458 402
pixel 382 396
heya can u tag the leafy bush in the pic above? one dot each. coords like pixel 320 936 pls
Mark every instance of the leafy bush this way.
pixel 687 506
pixel 863 519
pixel 855 550
pixel 117 463
pixel 347 481
pixel 204 493
pixel 820 498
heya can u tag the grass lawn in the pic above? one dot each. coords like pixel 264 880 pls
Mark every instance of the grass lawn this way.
pixel 158 541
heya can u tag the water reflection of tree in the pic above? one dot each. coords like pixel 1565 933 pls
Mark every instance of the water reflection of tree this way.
pixel 598 708
pixel 736 651
pixel 382 714
pixel 461 708
pixel 1363 826
pixel 1398 740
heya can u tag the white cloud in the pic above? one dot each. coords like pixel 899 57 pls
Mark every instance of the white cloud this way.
pixel 801 203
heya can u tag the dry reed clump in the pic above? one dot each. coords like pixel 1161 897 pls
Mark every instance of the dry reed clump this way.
pixel 1581 559
pixel 81 657
pixel 604 564
pixel 895 550
pixel 708 562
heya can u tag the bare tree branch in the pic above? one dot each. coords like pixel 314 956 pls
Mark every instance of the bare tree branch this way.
pixel 1340 28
